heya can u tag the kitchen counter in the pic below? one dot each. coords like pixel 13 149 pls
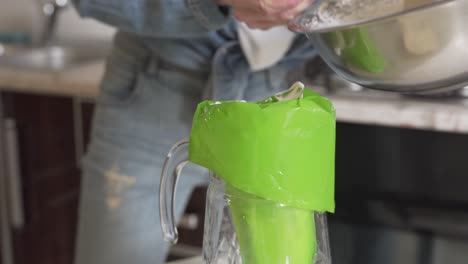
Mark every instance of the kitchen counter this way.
pixel 365 107
pixel 80 81
pixel 389 109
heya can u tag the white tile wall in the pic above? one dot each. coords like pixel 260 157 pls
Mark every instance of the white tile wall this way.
pixel 19 15
pixel 72 26
pixel 25 16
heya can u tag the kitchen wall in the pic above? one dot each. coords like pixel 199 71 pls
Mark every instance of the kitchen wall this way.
pixel 19 16
pixel 73 26
pixel 25 16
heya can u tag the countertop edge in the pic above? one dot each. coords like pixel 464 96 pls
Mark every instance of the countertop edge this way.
pixel 81 81
pixel 360 108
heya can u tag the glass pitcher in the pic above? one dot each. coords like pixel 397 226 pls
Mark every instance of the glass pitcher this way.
pixel 244 228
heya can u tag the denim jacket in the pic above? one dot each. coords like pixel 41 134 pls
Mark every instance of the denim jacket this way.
pixel 165 56
pixel 196 35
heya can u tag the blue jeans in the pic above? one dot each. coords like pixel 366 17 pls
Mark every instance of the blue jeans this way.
pixel 146 105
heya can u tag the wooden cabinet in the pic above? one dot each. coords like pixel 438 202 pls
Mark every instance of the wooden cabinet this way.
pixel 46 131
pixel 50 134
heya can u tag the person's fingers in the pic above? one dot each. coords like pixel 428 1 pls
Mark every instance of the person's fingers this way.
pixel 293 12
pixel 246 4
pixel 277 6
pixel 264 14
pixel 265 7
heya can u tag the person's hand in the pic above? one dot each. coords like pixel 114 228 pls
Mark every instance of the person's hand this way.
pixel 265 14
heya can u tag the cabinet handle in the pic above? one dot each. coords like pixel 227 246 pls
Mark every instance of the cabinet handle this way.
pixel 6 245
pixel 15 194
pixel 78 130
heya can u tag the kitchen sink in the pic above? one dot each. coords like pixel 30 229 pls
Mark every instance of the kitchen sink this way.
pixel 50 58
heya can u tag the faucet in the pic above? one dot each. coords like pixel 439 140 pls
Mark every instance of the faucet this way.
pixel 50 10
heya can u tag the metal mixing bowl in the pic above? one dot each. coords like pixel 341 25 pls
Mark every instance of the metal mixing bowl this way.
pixel 423 49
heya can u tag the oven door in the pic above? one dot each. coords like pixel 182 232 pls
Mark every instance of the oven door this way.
pixel 401 196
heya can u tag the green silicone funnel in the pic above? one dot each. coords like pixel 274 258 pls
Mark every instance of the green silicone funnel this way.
pixel 282 153
pixel 271 233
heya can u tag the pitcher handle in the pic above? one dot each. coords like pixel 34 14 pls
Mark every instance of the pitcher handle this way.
pixel 176 159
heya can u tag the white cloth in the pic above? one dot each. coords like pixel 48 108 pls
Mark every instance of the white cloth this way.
pixel 264 48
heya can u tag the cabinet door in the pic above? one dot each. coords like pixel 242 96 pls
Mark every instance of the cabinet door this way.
pixel 5 234
pixel 49 177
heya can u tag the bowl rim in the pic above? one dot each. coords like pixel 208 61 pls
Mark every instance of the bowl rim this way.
pixel 296 27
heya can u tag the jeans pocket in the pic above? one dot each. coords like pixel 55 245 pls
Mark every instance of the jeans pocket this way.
pixel 125 69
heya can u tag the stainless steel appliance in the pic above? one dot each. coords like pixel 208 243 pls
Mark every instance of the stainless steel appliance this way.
pixel 394 45
pixel 402 199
